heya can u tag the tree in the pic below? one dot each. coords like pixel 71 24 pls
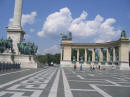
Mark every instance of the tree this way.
pixel 48 58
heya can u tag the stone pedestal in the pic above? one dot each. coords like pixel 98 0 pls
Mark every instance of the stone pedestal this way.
pixel 17 36
pixel 26 61
pixel 124 66
pixel 7 58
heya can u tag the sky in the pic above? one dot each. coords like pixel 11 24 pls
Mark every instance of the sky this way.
pixel 90 21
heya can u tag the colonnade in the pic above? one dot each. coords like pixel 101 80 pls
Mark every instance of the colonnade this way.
pixel 109 51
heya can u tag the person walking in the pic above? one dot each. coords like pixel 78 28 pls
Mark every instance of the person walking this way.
pixel 99 67
pixel 90 69
pixel 75 67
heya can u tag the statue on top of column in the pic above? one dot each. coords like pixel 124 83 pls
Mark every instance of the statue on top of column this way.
pixel 123 33
pixel 66 37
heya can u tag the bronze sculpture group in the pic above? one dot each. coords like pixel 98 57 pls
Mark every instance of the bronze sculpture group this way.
pixel 6 45
pixel 25 48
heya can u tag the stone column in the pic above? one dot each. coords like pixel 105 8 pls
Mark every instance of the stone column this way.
pixel 108 55
pixel 78 55
pixel 61 54
pixel 85 55
pixel 17 14
pixel 15 31
pixel 93 55
pixel 67 54
pixel 114 54
pixel 124 54
pixel 100 55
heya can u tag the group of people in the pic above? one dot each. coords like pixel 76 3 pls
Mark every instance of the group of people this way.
pixel 91 68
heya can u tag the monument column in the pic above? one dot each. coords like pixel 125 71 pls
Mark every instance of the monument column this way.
pixel 17 14
pixel 15 31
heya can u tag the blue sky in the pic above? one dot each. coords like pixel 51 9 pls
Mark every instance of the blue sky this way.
pixel 88 20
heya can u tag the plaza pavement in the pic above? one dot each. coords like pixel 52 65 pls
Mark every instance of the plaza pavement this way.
pixel 64 82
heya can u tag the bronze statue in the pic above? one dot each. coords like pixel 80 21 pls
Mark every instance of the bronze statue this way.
pixel 66 37
pixel 6 44
pixel 123 33
pixel 27 48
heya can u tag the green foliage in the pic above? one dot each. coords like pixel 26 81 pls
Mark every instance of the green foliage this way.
pixel 48 58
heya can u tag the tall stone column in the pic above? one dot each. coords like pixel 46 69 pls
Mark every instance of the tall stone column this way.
pixel 100 55
pixel 114 54
pixel 78 55
pixel 15 31
pixel 85 55
pixel 17 14
pixel 108 55
pixel 93 55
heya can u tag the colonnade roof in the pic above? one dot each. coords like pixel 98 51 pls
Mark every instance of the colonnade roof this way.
pixel 96 45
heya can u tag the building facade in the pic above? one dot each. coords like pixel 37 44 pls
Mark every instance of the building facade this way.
pixel 114 53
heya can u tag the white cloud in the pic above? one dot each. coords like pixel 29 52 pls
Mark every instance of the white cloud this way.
pixel 57 22
pixel 52 50
pixel 62 21
pixel 26 19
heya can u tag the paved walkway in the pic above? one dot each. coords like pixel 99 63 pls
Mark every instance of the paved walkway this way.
pixel 64 82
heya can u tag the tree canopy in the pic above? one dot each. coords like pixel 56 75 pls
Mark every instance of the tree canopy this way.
pixel 48 58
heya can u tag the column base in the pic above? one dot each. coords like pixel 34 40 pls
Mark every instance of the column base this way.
pixel 66 63
pixel 26 61
pixel 124 66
